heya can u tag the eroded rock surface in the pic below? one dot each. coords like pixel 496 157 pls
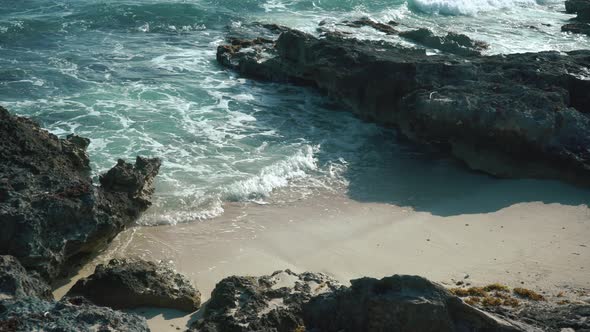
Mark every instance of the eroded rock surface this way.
pixel 398 303
pixel 51 214
pixel 16 282
pixel 517 115
pixel 287 302
pixel 268 303
pixel 549 316
pixel 125 283
pixel 72 315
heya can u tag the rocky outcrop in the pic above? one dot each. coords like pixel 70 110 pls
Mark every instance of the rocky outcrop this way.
pixel 517 115
pixel 34 314
pixel 268 303
pixel 581 23
pixel 287 302
pixel 576 6
pixel 15 282
pixel 26 304
pixel 124 283
pixel 455 43
pixel 51 214
pixel 398 303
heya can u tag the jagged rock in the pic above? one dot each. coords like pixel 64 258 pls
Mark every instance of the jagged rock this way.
pixel 517 115
pixel 454 43
pixel 397 303
pixel 577 27
pixel 51 214
pixel 124 283
pixel 269 303
pixel 15 282
pixel 33 314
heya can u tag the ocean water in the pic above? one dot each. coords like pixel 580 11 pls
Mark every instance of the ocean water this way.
pixel 140 77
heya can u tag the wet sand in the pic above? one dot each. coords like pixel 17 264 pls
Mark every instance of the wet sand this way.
pixel 545 246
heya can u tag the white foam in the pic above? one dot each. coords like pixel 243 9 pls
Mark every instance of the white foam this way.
pixel 466 7
pixel 274 176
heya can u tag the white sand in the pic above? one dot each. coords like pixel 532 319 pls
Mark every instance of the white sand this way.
pixel 544 246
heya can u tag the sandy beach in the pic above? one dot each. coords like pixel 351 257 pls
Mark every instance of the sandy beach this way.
pixel 541 244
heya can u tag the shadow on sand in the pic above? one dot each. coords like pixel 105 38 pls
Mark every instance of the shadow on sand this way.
pixel 406 175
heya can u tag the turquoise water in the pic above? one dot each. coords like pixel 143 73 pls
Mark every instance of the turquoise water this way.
pixel 140 77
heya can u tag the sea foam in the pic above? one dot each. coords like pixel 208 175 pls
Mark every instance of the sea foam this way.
pixel 466 7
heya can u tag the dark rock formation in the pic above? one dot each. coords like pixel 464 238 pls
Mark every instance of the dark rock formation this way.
pixel 577 27
pixel 51 214
pixel 576 6
pixel 26 304
pixel 398 303
pixel 15 282
pixel 33 314
pixel 367 22
pixel 124 283
pixel 269 303
pixel 454 43
pixel 517 115
pixel 287 302
pixel 581 23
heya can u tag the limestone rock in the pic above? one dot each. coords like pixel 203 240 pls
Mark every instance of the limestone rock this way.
pixel 125 283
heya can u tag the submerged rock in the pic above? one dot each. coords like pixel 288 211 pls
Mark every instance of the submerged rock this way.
pixel 517 115
pixel 268 303
pixel 34 314
pixel 124 283
pixel 16 282
pixel 51 214
pixel 367 22
pixel 398 303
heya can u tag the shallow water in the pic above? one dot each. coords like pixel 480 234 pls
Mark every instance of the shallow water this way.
pixel 140 77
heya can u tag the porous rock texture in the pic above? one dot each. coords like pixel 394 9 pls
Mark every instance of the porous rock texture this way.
pixel 26 304
pixel 133 283
pixel 268 303
pixel 16 282
pixel 51 214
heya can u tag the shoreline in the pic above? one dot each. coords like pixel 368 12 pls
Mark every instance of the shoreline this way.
pixel 346 239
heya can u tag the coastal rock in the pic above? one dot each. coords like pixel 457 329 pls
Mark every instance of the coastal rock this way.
pixel 15 282
pixel 34 314
pixel 51 214
pixel 577 27
pixel 367 22
pixel 577 6
pixel 397 303
pixel 124 283
pixel 268 303
pixel 581 23
pixel 516 115
pixel 454 43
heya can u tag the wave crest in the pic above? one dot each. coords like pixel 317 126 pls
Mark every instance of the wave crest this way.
pixel 466 7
